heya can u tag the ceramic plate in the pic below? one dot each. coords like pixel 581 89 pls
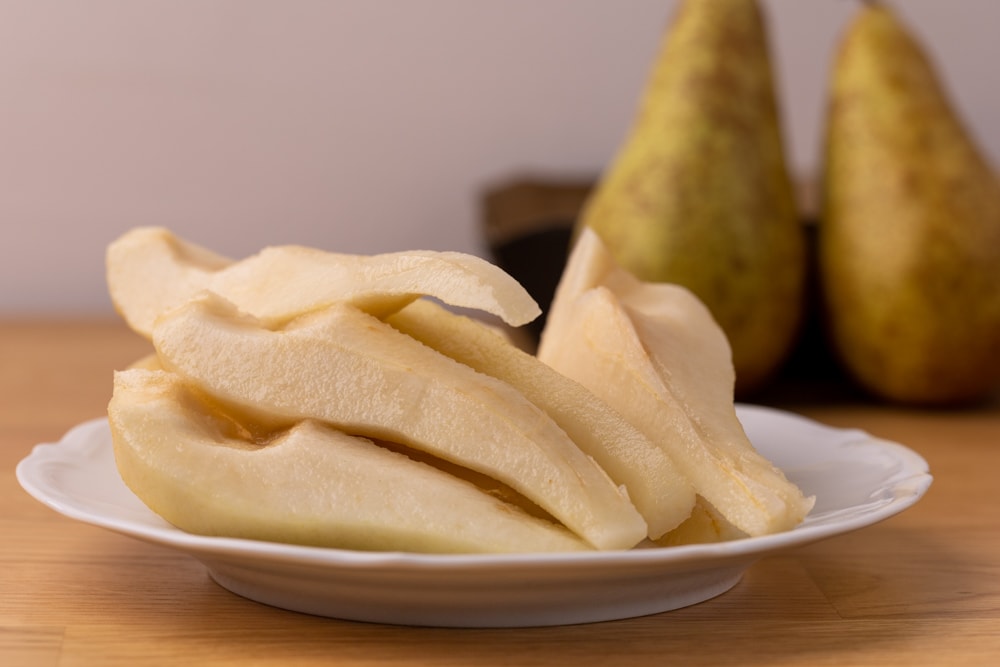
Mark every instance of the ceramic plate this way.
pixel 857 479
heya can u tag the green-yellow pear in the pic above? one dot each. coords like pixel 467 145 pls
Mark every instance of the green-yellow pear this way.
pixel 699 193
pixel 909 241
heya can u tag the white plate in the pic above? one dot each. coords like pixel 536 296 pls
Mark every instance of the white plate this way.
pixel 858 480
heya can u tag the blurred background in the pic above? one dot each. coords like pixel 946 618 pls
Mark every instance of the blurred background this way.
pixel 353 125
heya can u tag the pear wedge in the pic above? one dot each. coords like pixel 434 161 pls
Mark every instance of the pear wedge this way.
pixel 150 270
pixel 345 367
pixel 655 353
pixel 659 491
pixel 705 526
pixel 282 282
pixel 588 265
pixel 669 373
pixel 310 485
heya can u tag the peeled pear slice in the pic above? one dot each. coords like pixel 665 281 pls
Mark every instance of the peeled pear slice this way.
pixel 282 282
pixel 150 270
pixel 654 352
pixel 310 485
pixel 662 495
pixel 670 374
pixel 345 367
pixel 704 526
pixel 589 264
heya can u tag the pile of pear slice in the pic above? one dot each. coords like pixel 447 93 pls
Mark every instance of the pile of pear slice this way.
pixel 336 400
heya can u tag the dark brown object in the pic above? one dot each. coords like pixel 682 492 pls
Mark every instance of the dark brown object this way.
pixel 528 225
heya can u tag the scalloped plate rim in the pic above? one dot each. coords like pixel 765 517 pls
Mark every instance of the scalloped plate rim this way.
pixel 270 572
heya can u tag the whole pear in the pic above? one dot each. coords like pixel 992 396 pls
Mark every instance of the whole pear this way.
pixel 699 193
pixel 909 240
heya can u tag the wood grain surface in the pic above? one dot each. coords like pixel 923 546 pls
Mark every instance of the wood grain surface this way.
pixel 922 588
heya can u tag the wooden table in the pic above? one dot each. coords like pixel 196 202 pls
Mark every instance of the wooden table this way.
pixel 922 588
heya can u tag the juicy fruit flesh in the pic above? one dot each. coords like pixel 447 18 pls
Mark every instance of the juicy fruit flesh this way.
pixel 653 352
pixel 656 487
pixel 376 284
pixel 722 465
pixel 437 433
pixel 308 485
pixel 347 368
pixel 150 271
